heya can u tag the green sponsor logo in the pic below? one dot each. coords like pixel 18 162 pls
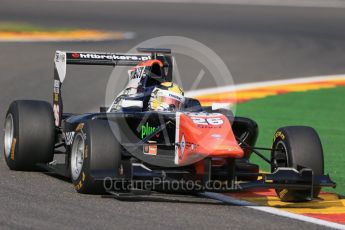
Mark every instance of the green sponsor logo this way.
pixel 146 130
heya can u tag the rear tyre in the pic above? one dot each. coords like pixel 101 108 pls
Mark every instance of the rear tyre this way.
pixel 95 156
pixel 29 134
pixel 300 148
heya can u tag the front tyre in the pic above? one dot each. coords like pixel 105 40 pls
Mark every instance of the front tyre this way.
pixel 29 136
pixel 298 147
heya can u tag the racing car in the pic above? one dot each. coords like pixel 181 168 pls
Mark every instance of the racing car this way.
pixel 152 131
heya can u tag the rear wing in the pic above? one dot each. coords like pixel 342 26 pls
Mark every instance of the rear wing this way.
pixel 64 58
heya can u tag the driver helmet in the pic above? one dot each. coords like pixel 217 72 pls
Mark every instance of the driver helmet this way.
pixel 167 96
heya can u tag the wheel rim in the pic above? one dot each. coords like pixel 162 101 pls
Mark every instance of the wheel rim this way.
pixel 8 138
pixel 77 156
pixel 281 157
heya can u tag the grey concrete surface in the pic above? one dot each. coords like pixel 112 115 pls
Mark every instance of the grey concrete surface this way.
pixel 288 3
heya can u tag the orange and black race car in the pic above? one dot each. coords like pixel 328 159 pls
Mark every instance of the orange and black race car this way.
pixel 153 138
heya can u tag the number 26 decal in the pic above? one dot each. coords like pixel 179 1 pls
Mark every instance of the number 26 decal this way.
pixel 207 121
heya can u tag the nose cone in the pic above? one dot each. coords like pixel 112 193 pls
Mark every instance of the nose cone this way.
pixel 204 135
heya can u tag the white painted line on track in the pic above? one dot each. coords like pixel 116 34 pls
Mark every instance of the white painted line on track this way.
pixel 254 85
pixel 233 201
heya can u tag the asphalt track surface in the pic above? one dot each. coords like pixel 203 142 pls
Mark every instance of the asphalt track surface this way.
pixel 256 43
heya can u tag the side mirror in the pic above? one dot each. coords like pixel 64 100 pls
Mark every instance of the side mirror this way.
pixel 132 104
pixel 226 106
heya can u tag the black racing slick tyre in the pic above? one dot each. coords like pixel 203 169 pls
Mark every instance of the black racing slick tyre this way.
pixel 95 157
pixel 29 136
pixel 298 147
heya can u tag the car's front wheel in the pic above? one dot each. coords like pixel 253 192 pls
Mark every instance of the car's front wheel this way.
pixel 297 147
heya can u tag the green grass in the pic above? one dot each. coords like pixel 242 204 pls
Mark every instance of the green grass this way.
pixel 26 27
pixel 322 109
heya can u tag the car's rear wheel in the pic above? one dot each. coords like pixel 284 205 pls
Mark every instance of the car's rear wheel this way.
pixel 29 136
pixel 95 157
pixel 297 147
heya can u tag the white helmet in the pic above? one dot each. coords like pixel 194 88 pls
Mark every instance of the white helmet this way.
pixel 168 96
